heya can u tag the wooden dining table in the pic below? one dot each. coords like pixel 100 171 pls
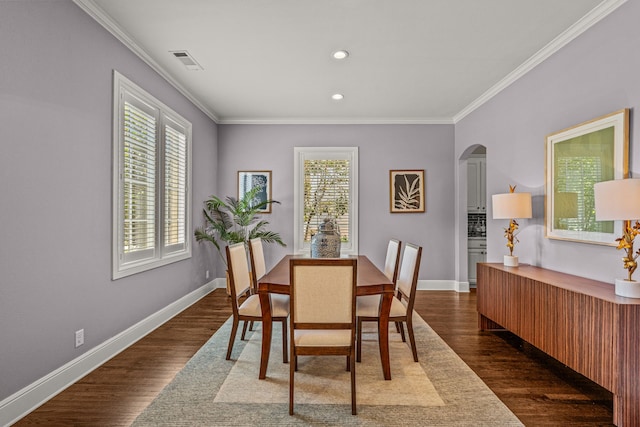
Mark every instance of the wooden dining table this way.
pixel 370 281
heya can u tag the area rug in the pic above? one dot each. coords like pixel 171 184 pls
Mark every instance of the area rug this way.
pixel 439 390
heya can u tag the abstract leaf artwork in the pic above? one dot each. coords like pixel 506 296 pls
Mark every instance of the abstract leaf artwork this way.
pixel 407 191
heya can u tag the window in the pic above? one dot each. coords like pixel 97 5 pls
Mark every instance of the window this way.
pixel 325 185
pixel 151 182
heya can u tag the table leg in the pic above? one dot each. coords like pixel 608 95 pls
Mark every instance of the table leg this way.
pixel 267 326
pixel 383 334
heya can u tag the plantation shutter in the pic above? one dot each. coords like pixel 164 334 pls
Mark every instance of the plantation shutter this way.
pixel 139 180
pixel 325 186
pixel 327 195
pixel 151 182
pixel 175 176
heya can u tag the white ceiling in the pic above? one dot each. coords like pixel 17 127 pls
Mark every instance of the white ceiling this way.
pixel 411 61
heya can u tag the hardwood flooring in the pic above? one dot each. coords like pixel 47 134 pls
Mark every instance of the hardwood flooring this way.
pixel 538 389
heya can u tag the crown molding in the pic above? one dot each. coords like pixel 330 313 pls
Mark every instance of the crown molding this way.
pixel 590 19
pixel 341 121
pixel 586 22
pixel 104 19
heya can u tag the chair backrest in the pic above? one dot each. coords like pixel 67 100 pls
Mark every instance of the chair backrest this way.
pixel 258 266
pixel 323 292
pixel 238 267
pixel 392 260
pixel 408 276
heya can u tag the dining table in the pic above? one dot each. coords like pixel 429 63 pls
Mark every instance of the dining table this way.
pixel 370 281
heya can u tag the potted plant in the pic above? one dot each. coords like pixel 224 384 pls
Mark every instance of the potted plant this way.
pixel 232 221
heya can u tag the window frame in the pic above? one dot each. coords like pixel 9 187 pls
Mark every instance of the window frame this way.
pixel 329 153
pixel 161 254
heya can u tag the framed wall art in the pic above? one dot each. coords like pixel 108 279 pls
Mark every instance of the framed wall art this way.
pixel 247 180
pixel 406 191
pixel 576 159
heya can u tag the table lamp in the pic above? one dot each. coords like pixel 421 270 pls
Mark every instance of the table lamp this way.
pixel 620 200
pixel 511 206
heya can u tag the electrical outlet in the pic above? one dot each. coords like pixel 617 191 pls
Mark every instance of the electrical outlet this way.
pixel 207 274
pixel 79 338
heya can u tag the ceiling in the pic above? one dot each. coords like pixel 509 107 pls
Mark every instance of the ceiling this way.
pixel 410 61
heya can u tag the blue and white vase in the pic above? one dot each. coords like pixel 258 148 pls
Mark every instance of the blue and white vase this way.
pixel 326 242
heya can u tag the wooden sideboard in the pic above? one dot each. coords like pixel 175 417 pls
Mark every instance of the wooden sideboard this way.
pixel 578 321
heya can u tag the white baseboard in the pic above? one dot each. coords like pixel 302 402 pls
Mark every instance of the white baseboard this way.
pixel 443 285
pixel 32 396
pixel 219 283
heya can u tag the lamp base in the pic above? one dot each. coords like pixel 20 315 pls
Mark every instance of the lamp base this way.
pixel 510 261
pixel 628 289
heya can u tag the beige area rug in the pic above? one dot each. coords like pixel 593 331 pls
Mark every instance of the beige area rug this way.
pixel 324 380
pixel 439 390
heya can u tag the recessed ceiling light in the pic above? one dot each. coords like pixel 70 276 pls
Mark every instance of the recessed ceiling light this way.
pixel 340 54
pixel 337 97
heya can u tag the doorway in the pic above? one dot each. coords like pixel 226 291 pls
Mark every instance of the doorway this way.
pixel 476 212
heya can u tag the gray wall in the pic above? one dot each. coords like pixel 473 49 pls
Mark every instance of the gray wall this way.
pixel 381 148
pixel 595 74
pixel 55 108
pixel 55 187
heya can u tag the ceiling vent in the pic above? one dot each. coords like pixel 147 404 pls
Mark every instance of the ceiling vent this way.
pixel 187 60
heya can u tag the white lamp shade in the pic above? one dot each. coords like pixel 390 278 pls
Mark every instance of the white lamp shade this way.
pixel 617 200
pixel 511 205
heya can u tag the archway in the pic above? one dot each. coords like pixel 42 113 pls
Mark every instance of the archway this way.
pixel 472 212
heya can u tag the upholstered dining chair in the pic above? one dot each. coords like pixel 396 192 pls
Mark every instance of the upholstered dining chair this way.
pixel 258 266
pixel 391 263
pixel 392 260
pixel 322 321
pixel 245 305
pixel 401 306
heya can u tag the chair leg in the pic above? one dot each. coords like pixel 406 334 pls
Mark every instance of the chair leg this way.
pixel 285 349
pixel 398 324
pixel 348 364
pixel 244 329
pixel 412 339
pixel 402 331
pixel 234 330
pixel 359 340
pixel 354 410
pixel 251 326
pixel 292 369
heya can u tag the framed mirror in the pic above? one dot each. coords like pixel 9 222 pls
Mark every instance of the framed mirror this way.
pixel 576 159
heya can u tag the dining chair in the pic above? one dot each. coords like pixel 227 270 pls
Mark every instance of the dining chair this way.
pixel 391 263
pixel 392 260
pixel 258 266
pixel 368 310
pixel 322 321
pixel 245 304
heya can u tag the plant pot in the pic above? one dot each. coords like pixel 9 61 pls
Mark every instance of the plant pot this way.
pixel 510 261
pixel 628 289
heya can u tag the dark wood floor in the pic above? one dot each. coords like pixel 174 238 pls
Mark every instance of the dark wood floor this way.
pixel 538 389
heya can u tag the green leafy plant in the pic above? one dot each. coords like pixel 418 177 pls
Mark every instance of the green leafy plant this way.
pixel 234 220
